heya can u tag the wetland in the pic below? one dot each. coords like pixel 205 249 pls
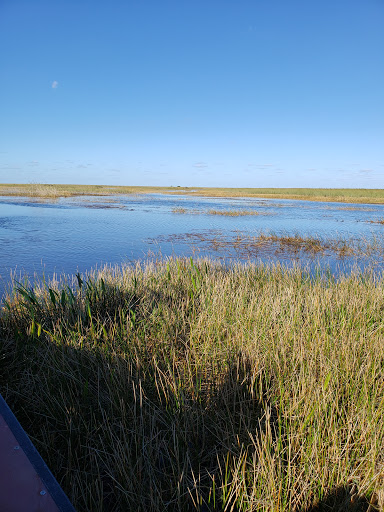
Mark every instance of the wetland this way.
pixel 191 353
pixel 76 233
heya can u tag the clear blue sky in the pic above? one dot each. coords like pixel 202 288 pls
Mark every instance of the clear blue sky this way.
pixel 250 93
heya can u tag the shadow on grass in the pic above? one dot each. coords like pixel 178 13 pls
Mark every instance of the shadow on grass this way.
pixel 124 434
pixel 344 499
pixel 131 419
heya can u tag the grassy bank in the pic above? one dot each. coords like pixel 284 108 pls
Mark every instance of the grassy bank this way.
pixel 180 385
pixel 55 191
pixel 346 195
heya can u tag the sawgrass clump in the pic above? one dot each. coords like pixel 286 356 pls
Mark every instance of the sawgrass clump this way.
pixel 233 213
pixel 186 385
pixel 44 191
pixel 226 213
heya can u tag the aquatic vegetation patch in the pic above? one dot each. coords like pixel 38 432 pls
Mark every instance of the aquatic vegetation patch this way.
pixel 245 245
pixel 353 208
pixel 226 213
pixel 234 213
pixel 180 209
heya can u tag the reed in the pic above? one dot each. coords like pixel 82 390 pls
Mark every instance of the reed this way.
pixel 44 191
pixel 185 385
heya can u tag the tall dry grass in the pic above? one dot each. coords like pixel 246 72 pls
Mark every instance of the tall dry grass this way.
pixel 184 385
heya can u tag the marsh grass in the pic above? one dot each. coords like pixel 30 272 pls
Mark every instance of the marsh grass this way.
pixel 55 191
pixel 233 213
pixel 44 191
pixel 353 208
pixel 185 385
pixel 226 213
pixel 348 195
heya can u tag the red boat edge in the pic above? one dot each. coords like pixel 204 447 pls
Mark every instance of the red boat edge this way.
pixel 26 483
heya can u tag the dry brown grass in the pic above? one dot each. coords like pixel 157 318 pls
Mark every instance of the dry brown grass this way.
pixel 54 191
pixel 368 196
pixel 180 385
pixel 45 191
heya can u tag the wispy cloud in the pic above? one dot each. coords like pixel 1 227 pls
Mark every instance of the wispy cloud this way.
pixel 55 84
pixel 262 166
pixel 200 165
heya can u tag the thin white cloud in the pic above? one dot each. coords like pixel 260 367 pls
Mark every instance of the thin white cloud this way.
pixel 55 84
pixel 262 166
pixel 200 165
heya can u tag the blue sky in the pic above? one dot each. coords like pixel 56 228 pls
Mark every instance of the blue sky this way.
pixel 192 92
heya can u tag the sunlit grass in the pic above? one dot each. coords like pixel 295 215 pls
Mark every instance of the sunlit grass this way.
pixel 185 385
pixel 311 194
pixel 44 190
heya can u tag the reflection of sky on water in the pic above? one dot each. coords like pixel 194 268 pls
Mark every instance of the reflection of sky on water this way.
pixel 76 234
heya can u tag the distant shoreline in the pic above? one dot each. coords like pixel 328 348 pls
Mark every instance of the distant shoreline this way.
pixel 343 195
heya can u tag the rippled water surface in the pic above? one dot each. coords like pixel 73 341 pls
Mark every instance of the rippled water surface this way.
pixel 77 234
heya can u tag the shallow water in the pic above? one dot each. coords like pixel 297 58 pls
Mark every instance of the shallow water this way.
pixel 77 234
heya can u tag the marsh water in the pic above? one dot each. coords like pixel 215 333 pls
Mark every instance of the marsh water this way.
pixel 77 234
